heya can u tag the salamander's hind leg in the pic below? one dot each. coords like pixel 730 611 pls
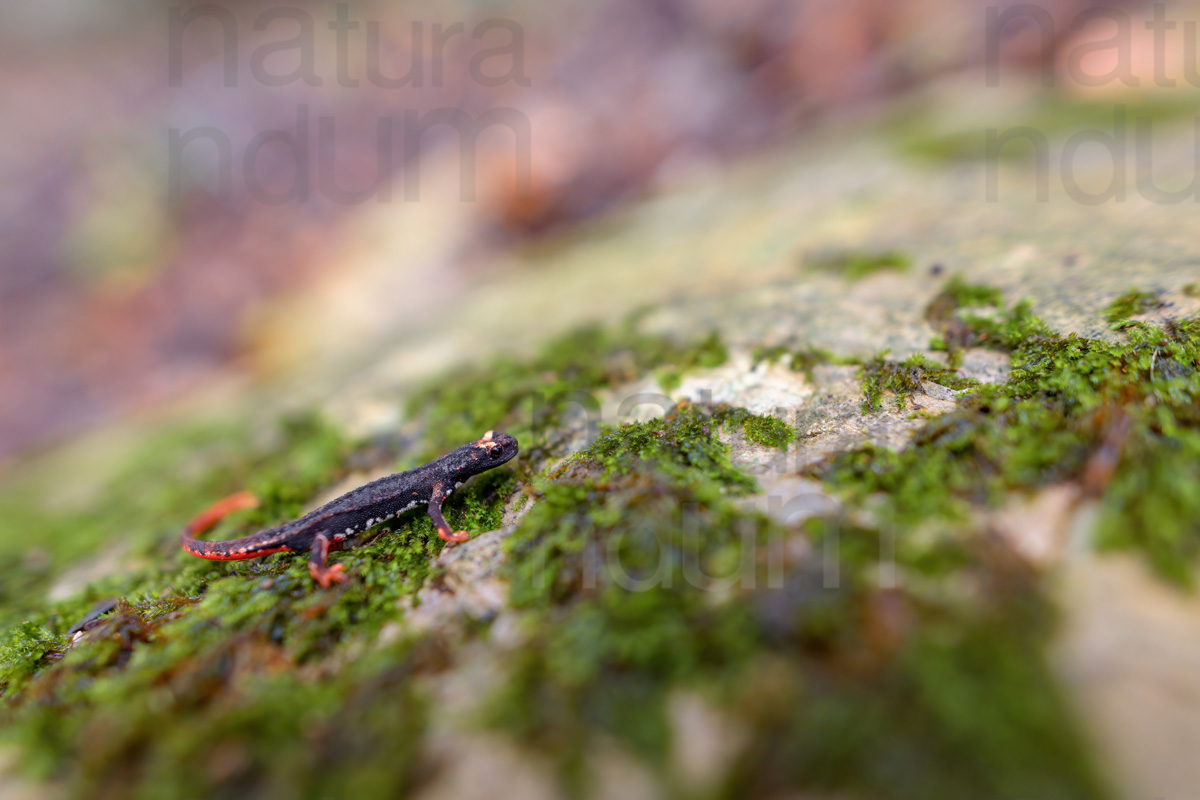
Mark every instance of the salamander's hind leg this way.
pixel 443 528
pixel 323 573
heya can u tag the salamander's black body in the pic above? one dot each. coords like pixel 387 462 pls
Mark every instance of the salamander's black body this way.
pixel 324 529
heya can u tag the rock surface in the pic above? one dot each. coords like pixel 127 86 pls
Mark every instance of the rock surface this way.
pixel 737 254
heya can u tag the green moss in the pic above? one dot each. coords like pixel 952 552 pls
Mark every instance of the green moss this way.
pixel 140 508
pixel 896 694
pixel 235 721
pixel 856 265
pixel 1058 415
pixel 956 330
pixel 216 664
pixel 757 428
pixel 603 561
pixel 1154 508
pixel 199 632
pixel 530 398
pixel 1013 330
pixel 922 133
pixel 904 379
pixel 196 683
pixel 681 446
pixel 637 574
pixel 641 576
pixel 1130 304
pixel 957 327
pixel 805 359
pixel 25 647
pixel 957 293
pixel 770 355
pixel 709 353
pixel 1191 289
pixel 801 360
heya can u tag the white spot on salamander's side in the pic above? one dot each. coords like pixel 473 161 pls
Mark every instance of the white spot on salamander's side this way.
pixel 349 531
pixel 337 537
pixel 373 521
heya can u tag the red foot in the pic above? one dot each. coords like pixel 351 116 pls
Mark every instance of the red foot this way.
pixel 461 536
pixel 328 575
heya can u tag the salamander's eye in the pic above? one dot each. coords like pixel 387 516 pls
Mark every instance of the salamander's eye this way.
pixel 494 452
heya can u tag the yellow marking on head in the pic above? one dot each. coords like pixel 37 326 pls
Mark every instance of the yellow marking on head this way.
pixel 487 437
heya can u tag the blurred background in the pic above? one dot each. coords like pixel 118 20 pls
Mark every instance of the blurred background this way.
pixel 172 172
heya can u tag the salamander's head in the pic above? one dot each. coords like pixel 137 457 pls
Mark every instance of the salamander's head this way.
pixel 490 450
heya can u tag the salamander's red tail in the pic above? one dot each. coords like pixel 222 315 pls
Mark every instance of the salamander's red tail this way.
pixel 218 511
pixel 210 517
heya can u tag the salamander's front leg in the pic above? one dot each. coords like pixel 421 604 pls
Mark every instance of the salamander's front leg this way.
pixel 317 567
pixel 435 513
